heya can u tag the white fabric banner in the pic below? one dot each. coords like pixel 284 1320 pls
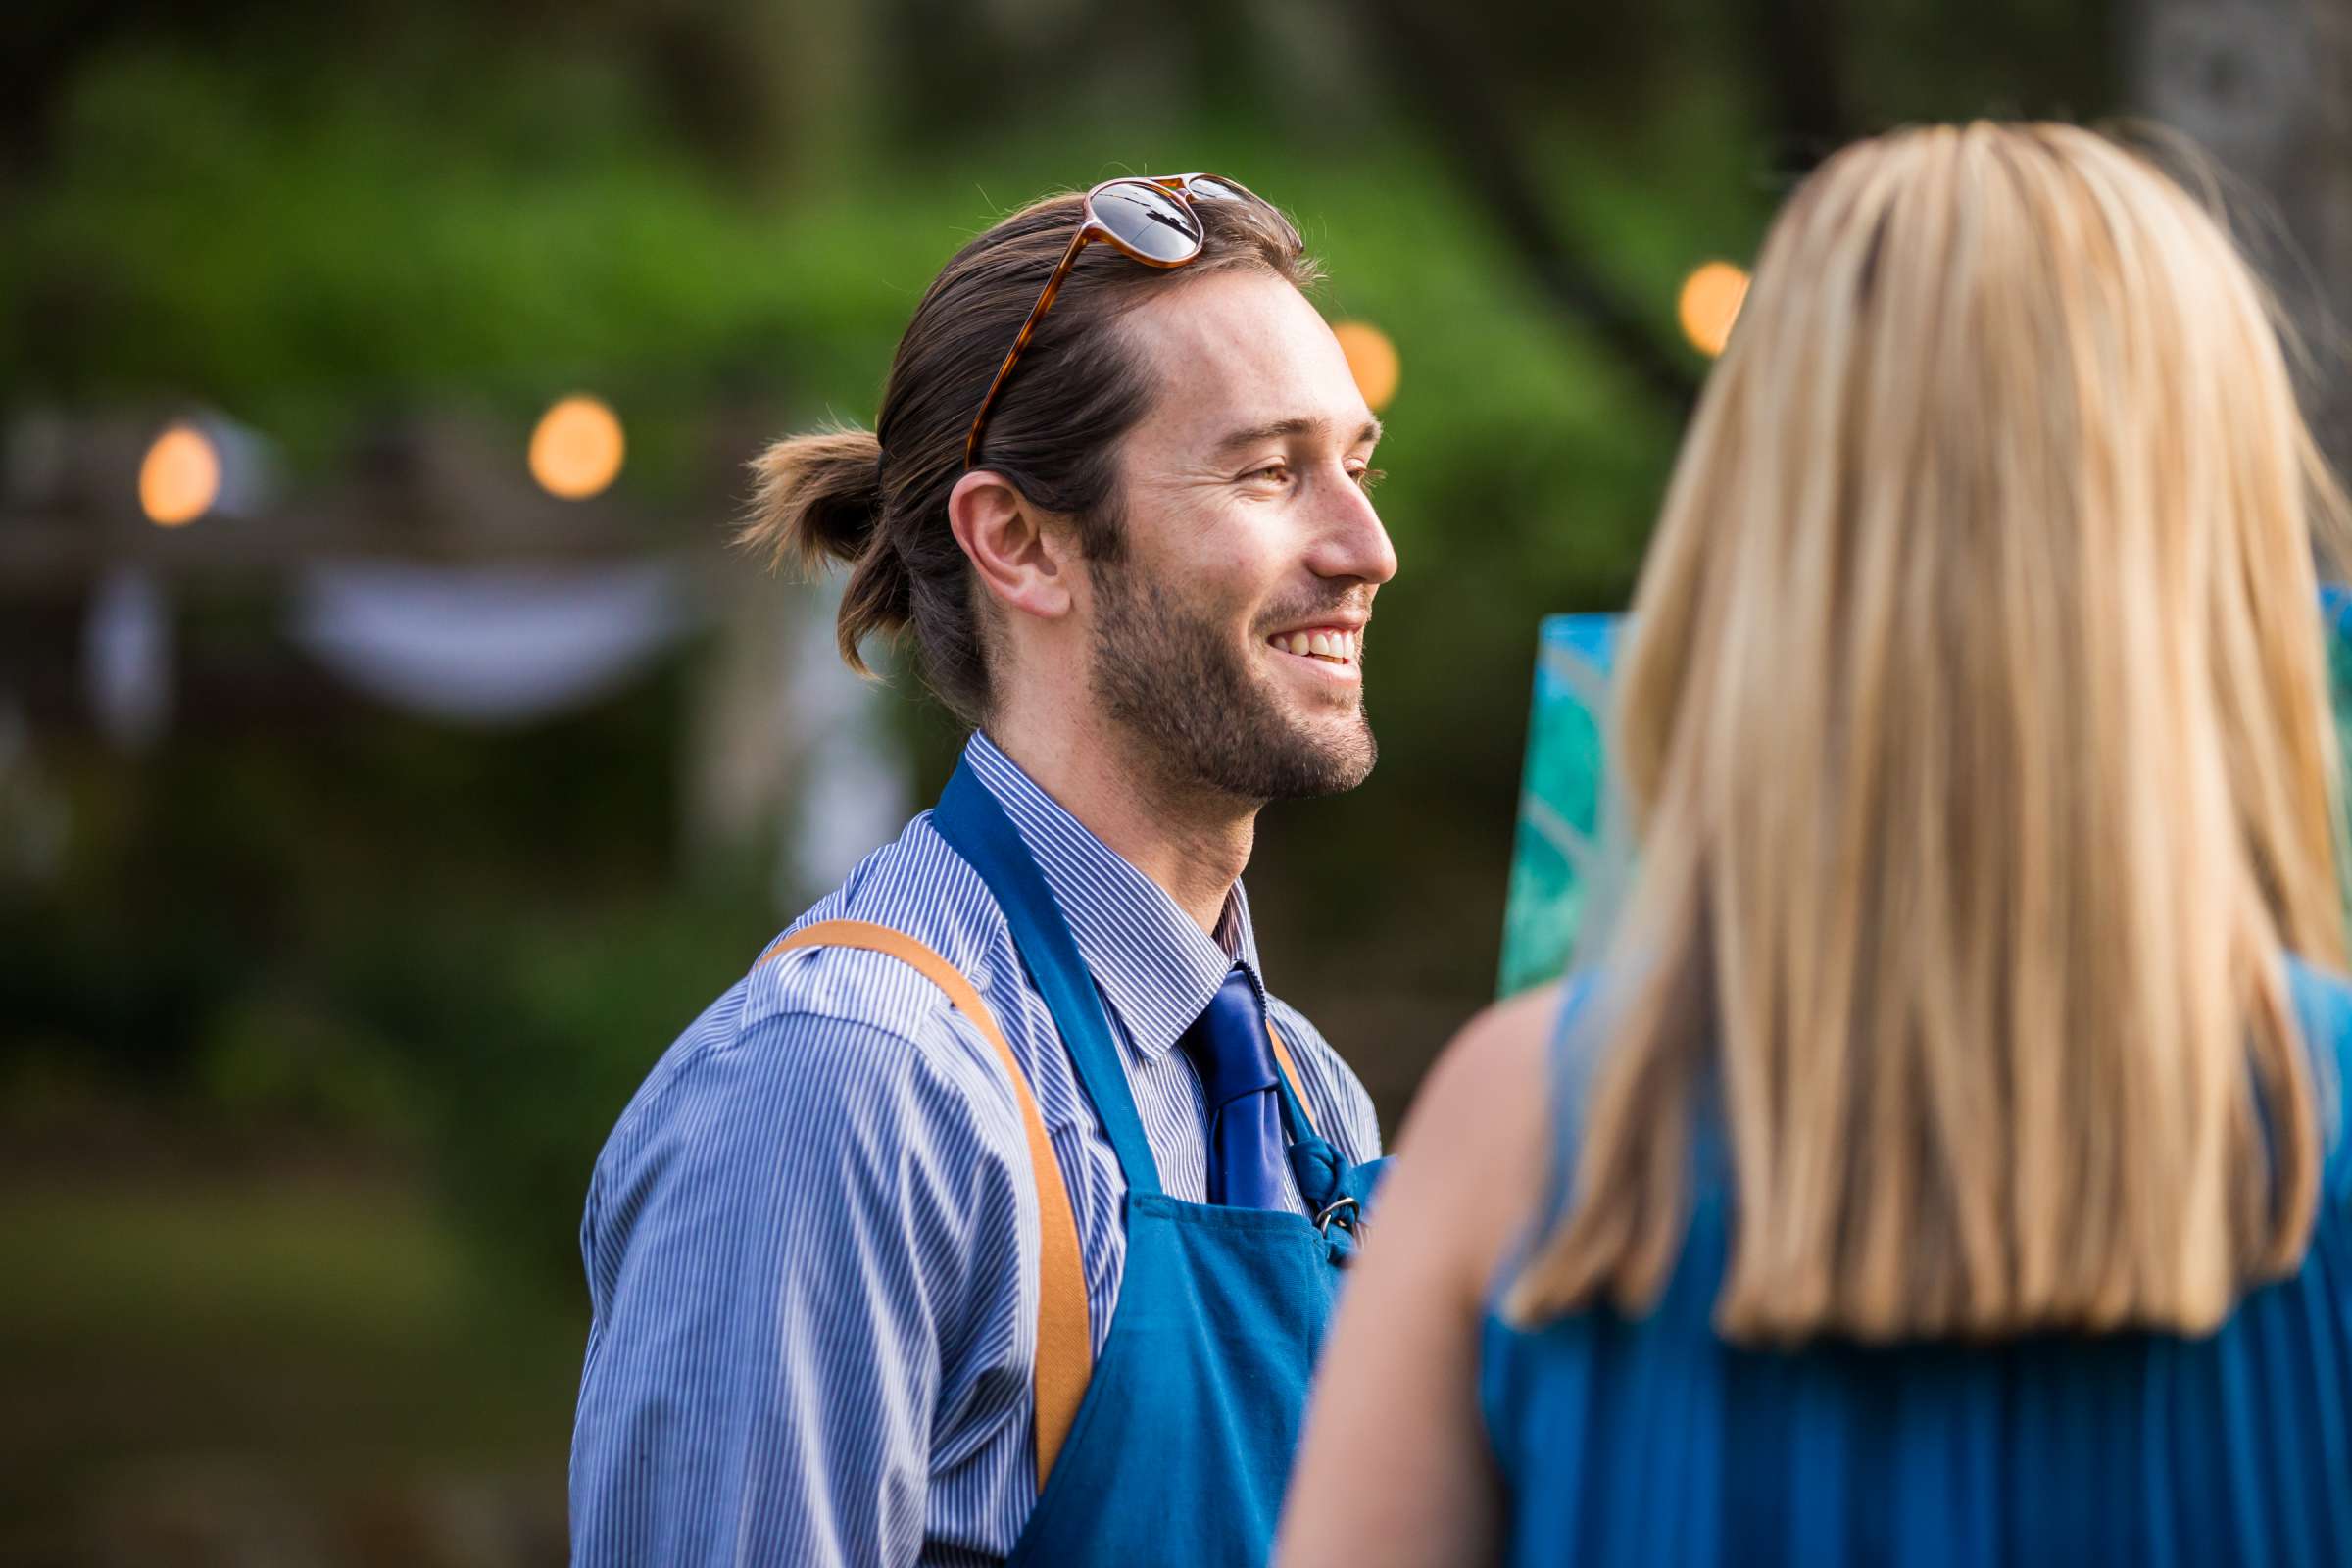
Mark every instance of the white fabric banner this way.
pixel 490 645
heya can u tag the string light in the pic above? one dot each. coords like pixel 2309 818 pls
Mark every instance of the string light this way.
pixel 1710 303
pixel 576 449
pixel 1371 360
pixel 179 478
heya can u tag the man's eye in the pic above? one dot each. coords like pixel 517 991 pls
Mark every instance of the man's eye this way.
pixel 1272 473
pixel 1366 478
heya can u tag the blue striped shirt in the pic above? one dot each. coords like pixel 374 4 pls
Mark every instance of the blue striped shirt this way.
pixel 812 1240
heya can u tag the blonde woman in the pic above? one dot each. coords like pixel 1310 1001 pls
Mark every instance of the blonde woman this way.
pixel 1947 1163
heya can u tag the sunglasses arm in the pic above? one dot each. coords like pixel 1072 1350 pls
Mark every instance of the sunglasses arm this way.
pixel 1037 314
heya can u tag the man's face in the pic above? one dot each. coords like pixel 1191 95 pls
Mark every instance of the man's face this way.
pixel 1228 636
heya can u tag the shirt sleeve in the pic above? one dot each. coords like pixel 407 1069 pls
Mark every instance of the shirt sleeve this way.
pixel 785 1246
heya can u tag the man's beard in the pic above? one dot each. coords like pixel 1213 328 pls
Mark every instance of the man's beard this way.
pixel 1173 679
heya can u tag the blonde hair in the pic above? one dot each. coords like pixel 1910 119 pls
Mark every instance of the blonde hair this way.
pixel 1975 717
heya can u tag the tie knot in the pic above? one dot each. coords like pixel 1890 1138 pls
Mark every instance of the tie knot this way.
pixel 1228 1044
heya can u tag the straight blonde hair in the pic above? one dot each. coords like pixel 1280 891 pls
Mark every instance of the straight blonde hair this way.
pixel 1975 722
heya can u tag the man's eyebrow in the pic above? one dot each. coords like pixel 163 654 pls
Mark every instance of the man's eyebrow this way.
pixel 1301 424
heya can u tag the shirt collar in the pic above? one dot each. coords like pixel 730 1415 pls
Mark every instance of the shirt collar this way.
pixel 1155 967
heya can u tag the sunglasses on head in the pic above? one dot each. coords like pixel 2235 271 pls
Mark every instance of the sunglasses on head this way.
pixel 1149 219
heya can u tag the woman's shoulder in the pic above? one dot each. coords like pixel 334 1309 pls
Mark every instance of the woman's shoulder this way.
pixel 1478 1137
pixel 1493 1073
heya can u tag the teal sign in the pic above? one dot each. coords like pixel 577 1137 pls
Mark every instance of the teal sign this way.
pixel 1557 854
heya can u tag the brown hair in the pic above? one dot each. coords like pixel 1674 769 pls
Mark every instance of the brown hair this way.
pixel 879 501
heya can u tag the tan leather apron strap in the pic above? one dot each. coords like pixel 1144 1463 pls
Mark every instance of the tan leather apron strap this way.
pixel 1065 1341
pixel 1289 1070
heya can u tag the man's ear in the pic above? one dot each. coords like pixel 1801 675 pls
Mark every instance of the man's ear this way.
pixel 1027 565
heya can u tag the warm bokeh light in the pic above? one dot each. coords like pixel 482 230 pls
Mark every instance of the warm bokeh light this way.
pixel 577 448
pixel 181 477
pixel 1371 359
pixel 1711 300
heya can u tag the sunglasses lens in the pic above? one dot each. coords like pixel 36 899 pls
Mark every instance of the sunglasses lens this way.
pixel 1149 221
pixel 1207 188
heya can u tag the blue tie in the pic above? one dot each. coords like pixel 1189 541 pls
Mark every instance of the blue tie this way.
pixel 1229 1048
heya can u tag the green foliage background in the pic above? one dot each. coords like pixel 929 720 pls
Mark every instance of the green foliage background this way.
pixel 297 941
pixel 361 923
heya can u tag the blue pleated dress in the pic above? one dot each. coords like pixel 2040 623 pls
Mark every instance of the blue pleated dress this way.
pixel 1652 1442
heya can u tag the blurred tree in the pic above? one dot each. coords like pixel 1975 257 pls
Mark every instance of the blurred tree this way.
pixel 335 223
pixel 1430 59
pixel 2265 86
pixel 302 924
pixel 1809 112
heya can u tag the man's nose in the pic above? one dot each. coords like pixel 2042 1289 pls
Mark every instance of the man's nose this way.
pixel 1350 540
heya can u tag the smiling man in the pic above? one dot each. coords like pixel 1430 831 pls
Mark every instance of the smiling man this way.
pixel 994 1215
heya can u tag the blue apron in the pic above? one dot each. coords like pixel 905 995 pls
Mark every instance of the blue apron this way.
pixel 1183 1444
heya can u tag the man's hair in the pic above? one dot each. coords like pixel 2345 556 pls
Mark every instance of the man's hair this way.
pixel 879 501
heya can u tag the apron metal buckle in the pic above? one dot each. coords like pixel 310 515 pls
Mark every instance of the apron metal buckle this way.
pixel 1347 1213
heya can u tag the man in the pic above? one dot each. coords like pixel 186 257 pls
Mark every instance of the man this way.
pixel 996 1213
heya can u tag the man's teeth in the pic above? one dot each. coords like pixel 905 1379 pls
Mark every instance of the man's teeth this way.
pixel 1341 647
